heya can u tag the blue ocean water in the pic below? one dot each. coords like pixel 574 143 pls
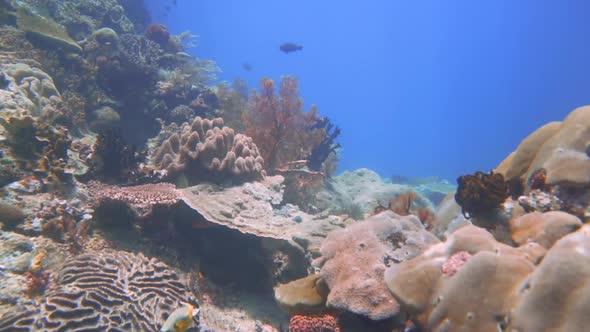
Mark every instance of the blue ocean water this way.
pixel 418 88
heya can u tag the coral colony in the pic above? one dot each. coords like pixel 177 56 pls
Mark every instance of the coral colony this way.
pixel 140 194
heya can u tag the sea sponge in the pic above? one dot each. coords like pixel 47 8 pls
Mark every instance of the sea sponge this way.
pixel 207 150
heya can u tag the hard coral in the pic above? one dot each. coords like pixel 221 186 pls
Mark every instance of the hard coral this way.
pixel 481 192
pixel 325 323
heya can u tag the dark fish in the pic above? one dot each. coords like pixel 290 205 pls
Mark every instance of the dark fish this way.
pixel 246 66
pixel 291 47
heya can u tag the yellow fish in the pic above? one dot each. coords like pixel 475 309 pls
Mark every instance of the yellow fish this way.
pixel 180 319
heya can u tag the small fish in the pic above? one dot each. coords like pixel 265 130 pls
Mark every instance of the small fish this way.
pixel 246 66
pixel 180 319
pixel 291 47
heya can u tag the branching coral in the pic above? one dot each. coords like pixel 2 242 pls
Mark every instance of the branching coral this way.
pixel 481 192
pixel 327 146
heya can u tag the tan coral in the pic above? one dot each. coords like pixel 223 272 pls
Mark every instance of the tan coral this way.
pixel 354 260
pixel 543 228
pixel 558 148
pixel 477 297
pixel 207 149
pixel 557 295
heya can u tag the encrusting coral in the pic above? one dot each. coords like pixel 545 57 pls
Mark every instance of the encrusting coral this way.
pixel 206 149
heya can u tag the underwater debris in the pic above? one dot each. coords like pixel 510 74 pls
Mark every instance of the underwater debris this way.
pixel 481 193
pixel 290 47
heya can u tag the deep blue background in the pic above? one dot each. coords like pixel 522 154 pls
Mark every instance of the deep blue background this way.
pixel 418 87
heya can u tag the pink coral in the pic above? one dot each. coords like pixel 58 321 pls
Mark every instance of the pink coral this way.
pixel 325 323
pixel 454 263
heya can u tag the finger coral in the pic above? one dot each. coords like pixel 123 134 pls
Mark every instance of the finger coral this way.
pixel 207 150
pixel 481 192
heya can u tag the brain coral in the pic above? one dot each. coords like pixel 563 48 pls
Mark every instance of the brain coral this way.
pixel 105 291
pixel 206 149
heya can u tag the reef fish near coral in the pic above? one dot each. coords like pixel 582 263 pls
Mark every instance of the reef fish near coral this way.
pixel 290 47
pixel 180 319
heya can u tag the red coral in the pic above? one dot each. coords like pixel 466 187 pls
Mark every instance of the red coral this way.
pixel 325 323
pixel 158 33
pixel 454 263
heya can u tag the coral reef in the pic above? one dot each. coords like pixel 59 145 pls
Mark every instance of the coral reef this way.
pixel 509 288
pixel 303 296
pixel 354 260
pixel 158 33
pixel 325 323
pixel 281 129
pixel 208 150
pixel 364 189
pixel 105 290
pixel 45 31
pixel 142 200
pixel 481 193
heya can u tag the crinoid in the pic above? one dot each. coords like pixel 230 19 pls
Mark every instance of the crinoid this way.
pixel 480 193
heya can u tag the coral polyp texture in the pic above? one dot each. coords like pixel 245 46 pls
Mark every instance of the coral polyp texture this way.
pixel 105 291
pixel 481 192
pixel 354 260
pixel 206 149
pixel 142 199
pixel 325 323
pixel 496 287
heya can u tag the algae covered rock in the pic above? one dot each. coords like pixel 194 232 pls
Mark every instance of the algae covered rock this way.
pixel 45 30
